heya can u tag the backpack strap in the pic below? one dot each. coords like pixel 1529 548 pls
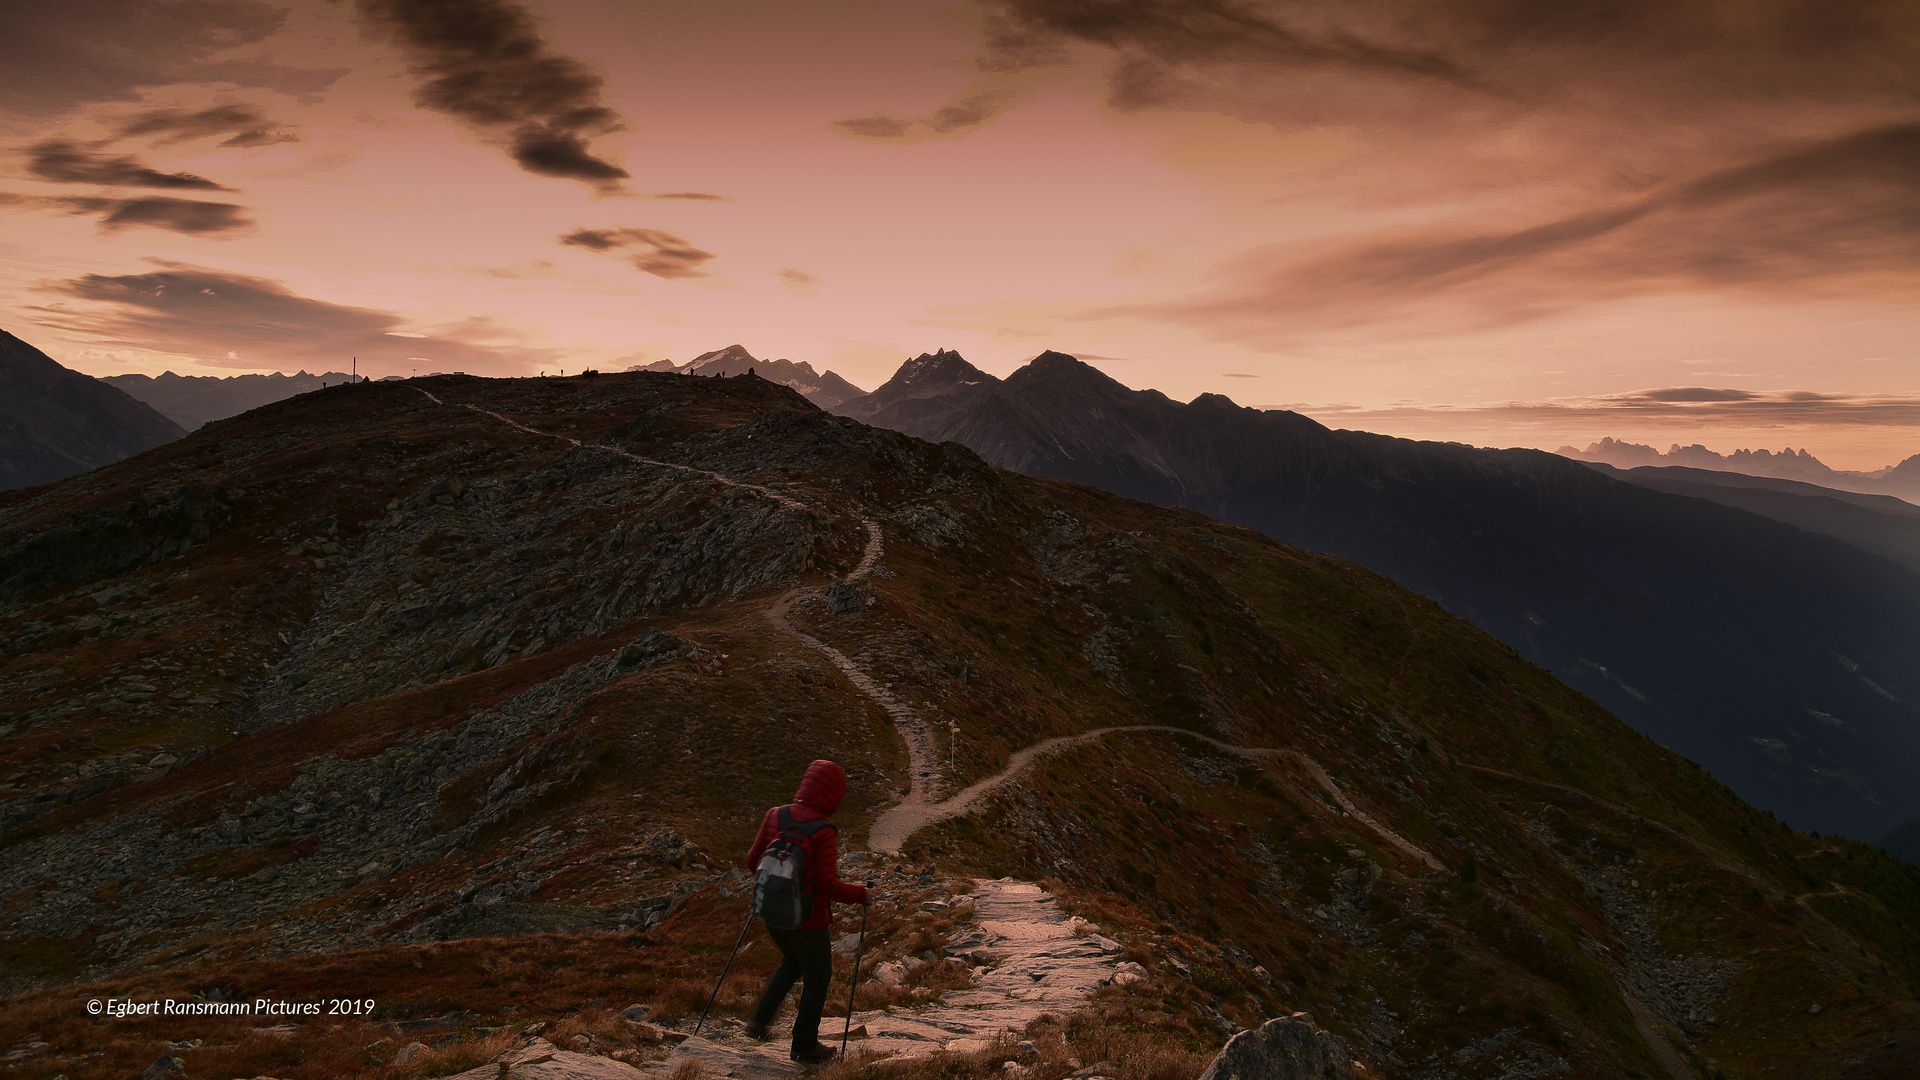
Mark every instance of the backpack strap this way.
pixel 803 829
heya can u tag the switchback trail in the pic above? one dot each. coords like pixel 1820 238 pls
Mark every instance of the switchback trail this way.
pixel 919 806
pixel 901 821
pixel 923 757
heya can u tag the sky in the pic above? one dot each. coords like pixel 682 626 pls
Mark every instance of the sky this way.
pixel 1493 221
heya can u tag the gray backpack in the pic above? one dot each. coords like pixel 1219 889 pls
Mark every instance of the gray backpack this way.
pixel 783 882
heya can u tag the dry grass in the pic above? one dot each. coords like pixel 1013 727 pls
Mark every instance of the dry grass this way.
pixel 602 1028
pixel 457 1058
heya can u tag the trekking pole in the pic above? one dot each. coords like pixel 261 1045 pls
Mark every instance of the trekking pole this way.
pixel 724 970
pixel 854 984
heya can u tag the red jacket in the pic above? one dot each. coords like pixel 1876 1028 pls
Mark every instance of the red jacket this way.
pixel 821 791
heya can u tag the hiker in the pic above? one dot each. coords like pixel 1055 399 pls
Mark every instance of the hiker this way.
pixel 804 951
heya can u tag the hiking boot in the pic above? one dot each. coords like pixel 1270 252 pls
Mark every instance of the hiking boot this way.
pixel 755 1030
pixel 818 1054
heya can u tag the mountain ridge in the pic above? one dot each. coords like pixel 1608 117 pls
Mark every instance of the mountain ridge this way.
pixel 1881 524
pixel 1577 570
pixel 193 400
pixel 1900 480
pixel 55 422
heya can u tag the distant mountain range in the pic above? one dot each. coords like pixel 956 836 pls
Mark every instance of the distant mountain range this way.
pixel 193 400
pixel 1786 661
pixel 56 422
pixel 824 389
pixel 1902 480
pixel 1880 524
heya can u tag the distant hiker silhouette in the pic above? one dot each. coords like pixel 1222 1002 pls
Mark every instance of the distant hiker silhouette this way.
pixel 796 864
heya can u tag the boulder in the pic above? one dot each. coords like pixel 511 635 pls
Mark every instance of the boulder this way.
pixel 652 647
pixel 535 1050
pixel 844 599
pixel 1282 1049
pixel 163 1066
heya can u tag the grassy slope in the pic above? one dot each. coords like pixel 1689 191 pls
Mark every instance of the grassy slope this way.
pixel 1011 609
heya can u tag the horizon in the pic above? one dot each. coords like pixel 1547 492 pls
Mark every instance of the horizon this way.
pixel 1757 451
pixel 1486 224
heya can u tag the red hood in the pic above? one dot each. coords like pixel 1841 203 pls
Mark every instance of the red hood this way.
pixel 823 787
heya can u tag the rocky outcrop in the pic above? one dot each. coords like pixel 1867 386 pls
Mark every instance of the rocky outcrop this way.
pixel 115 539
pixel 1286 1048
pixel 444 583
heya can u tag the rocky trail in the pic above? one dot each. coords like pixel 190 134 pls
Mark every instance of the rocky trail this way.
pixel 1026 956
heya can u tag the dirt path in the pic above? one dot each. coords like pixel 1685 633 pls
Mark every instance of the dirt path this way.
pixel 1837 890
pixel 923 756
pixel 893 827
pixel 1656 1040
pixel 782 498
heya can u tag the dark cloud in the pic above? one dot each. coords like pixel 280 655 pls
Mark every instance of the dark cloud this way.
pixel 1641 410
pixel 485 63
pixel 1521 50
pixel 244 126
pixel 242 321
pixel 1829 214
pixel 691 196
pixel 176 215
pixel 1028 32
pixel 66 162
pixel 968 112
pixel 564 154
pixel 653 251
pixel 799 282
pixel 187 216
pixel 60 55
pixel 875 127
pixel 1695 393
pixel 595 239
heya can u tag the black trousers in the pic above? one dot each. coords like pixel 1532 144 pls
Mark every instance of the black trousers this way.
pixel 806 955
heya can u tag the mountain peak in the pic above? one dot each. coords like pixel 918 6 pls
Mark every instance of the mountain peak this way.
pixel 1059 370
pixel 728 361
pixel 938 368
pixel 1215 401
pixel 55 421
